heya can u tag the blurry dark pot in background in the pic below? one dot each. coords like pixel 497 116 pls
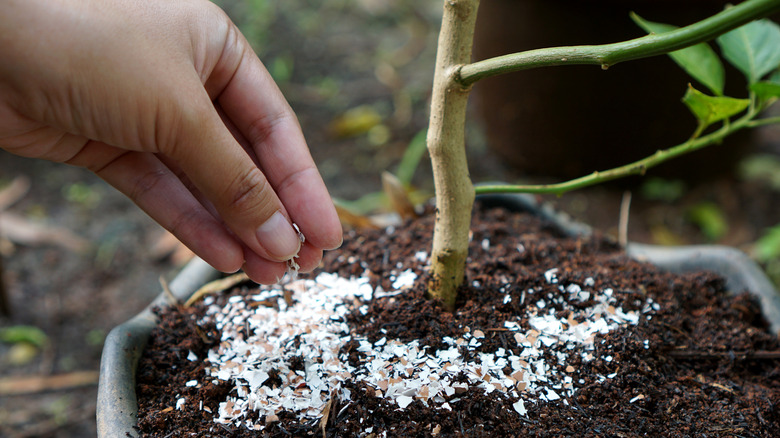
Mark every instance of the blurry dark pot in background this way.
pixel 569 121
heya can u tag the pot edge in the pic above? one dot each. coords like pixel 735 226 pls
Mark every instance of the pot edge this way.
pixel 117 406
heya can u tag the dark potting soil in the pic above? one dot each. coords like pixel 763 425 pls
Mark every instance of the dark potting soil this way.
pixel 704 365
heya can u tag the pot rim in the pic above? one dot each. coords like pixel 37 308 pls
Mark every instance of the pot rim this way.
pixel 117 406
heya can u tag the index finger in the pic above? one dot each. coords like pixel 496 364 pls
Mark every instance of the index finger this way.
pixel 256 107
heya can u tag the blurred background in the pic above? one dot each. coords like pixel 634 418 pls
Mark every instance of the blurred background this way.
pixel 79 258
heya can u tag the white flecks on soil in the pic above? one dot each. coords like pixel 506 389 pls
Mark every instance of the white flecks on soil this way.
pixel 284 354
pixel 292 266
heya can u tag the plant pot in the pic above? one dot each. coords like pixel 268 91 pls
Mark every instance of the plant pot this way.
pixel 117 387
pixel 566 122
pixel 117 406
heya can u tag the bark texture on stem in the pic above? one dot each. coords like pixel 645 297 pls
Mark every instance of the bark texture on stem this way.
pixel 446 146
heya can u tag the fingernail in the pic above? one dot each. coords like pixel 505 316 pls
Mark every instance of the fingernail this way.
pixel 278 238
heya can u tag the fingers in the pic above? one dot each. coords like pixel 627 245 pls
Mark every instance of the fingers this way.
pixel 239 191
pixel 264 271
pixel 166 197
pixel 256 107
pixel 228 199
pixel 159 192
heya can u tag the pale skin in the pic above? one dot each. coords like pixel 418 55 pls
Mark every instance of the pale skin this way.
pixel 166 101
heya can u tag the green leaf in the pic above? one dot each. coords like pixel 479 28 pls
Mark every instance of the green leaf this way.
pixel 768 245
pixel 769 88
pixel 765 90
pixel 710 219
pixel 23 334
pixel 761 168
pixel 711 109
pixel 660 189
pixel 700 61
pixel 412 156
pixel 281 68
pixel 754 48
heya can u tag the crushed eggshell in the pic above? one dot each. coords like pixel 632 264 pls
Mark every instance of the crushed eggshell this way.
pixel 260 341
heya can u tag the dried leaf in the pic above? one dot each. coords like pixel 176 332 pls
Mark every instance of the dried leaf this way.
pixel 353 220
pixel 397 195
pixel 663 235
pixel 356 121
pixel 326 412
pixel 20 354
pixel 216 286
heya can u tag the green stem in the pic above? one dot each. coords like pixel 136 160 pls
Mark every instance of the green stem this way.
pixel 762 122
pixel 607 55
pixel 635 168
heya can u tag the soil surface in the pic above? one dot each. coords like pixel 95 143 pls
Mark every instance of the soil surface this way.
pixel 704 364
pixel 329 57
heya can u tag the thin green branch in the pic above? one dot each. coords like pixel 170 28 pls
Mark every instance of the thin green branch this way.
pixel 635 168
pixel 607 55
pixel 762 122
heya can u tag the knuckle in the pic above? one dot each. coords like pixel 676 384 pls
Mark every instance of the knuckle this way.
pixel 183 224
pixel 292 182
pixel 147 184
pixel 262 128
pixel 248 191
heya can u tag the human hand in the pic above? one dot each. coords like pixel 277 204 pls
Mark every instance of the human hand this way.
pixel 167 102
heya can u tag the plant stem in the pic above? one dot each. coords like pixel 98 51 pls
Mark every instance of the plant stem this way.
pixel 607 55
pixel 762 122
pixel 446 146
pixel 636 168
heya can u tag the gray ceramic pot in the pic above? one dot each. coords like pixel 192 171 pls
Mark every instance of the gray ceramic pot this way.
pixel 117 405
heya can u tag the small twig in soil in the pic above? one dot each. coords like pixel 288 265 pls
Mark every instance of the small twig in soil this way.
pixel 167 290
pixel 677 329
pixel 625 207
pixel 460 421
pixel 216 286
